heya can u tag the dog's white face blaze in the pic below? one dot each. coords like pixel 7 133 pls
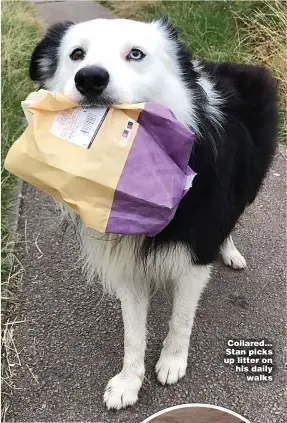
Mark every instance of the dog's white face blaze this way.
pixel 107 43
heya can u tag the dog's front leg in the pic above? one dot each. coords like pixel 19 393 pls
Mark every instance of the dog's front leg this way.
pixel 122 390
pixel 172 363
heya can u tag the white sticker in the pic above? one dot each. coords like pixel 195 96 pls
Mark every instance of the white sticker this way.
pixel 126 132
pixel 79 125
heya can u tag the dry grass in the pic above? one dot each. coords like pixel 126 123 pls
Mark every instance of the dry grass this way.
pixel 265 32
pixel 9 354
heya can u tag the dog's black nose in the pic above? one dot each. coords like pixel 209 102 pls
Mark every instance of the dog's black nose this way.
pixel 91 80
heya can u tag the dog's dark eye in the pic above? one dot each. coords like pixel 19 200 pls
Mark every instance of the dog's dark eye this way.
pixel 77 54
pixel 135 54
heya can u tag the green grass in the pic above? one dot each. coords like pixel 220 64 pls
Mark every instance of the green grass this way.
pixel 208 28
pixel 20 32
pixel 240 31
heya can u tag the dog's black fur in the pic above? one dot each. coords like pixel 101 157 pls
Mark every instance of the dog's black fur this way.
pixel 48 49
pixel 231 159
pixel 230 163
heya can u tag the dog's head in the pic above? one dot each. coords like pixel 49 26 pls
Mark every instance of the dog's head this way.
pixel 112 61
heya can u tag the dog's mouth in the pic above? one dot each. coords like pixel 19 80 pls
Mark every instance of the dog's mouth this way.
pixel 99 101
pixel 105 100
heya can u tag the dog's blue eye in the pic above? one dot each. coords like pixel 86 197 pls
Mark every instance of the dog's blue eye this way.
pixel 77 54
pixel 135 54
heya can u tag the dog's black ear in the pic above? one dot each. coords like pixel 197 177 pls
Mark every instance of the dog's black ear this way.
pixel 45 56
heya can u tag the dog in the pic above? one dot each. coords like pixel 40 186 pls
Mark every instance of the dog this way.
pixel 232 108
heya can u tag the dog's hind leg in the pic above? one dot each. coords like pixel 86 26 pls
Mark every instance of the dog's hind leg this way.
pixel 231 256
pixel 172 363
pixel 122 390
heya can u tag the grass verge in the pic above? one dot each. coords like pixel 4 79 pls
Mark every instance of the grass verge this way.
pixel 265 30
pixel 240 31
pixel 21 29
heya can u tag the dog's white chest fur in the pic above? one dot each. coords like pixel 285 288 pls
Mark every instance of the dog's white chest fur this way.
pixel 117 260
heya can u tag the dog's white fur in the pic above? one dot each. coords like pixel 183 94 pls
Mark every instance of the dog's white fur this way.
pixel 106 43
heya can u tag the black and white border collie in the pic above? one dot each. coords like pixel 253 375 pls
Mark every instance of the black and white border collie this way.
pixel 232 109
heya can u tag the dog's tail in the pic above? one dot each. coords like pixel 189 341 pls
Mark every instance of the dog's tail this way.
pixel 256 93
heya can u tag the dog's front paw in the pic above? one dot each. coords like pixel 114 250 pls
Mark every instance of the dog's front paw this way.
pixel 170 368
pixel 234 259
pixel 122 391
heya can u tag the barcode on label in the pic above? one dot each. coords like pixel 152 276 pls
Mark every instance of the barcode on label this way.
pixel 88 124
pixel 79 125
